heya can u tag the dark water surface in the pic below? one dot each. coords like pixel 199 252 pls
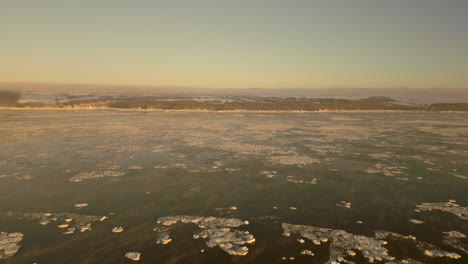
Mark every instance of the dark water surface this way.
pixel 199 164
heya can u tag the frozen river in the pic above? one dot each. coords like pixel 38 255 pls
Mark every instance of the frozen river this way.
pixel 193 187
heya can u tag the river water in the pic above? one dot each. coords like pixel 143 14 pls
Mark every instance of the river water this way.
pixel 265 168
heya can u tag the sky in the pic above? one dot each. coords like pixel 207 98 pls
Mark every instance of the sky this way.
pixel 237 43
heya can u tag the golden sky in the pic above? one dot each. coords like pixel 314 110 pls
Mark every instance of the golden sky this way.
pixel 237 44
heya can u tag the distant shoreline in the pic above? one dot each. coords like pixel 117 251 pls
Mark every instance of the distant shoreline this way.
pixel 223 111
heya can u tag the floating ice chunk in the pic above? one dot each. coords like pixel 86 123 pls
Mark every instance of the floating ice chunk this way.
pixel 9 244
pixel 135 256
pixel 379 156
pixel 386 170
pixel 44 221
pixel 135 167
pixel 294 180
pixel 292 208
pixel 453 239
pixel 91 175
pixel 169 222
pixel 164 239
pixel 81 205
pixel 69 231
pixel 117 229
pixel 449 207
pixel 85 227
pixel 275 208
pixel 405 261
pixel 293 160
pixel 81 222
pixel 103 218
pixel 342 243
pixel 307 252
pixel 440 254
pixel 300 240
pixel 344 204
pixel 416 221
pixel 359 222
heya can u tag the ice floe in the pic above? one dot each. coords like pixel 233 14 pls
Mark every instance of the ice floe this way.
pixel 117 229
pixel 342 243
pixel 80 205
pixel 9 244
pixel 453 239
pixel 405 261
pixel 387 170
pixel 344 204
pixel 91 175
pixel 416 221
pixel 425 248
pixel 218 231
pixel 380 156
pixel 73 221
pixel 307 252
pixel 269 174
pixel 293 160
pixel 449 207
pixel 135 256
pixel 295 180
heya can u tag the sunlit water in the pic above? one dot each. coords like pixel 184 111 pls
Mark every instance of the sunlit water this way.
pixel 135 167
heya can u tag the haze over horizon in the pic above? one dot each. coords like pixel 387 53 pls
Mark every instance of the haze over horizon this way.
pixel 241 44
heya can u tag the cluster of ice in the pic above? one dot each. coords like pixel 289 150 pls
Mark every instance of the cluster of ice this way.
pixel 453 239
pixel 18 176
pixel 232 208
pixel 293 160
pixel 344 204
pixel 269 174
pixel 405 261
pixel 70 221
pixel 294 180
pixel 426 248
pixel 9 244
pixel 386 170
pixel 325 149
pixel 342 243
pixel 135 256
pixel 91 175
pixel 449 207
pixel 217 230
pixel 245 148
pixel 307 252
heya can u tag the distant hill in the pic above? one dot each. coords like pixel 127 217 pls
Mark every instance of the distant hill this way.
pixel 401 95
